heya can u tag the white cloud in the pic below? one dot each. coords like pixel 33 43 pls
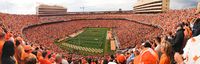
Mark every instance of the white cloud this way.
pixel 93 5
pixel 26 6
pixel 29 6
pixel 181 4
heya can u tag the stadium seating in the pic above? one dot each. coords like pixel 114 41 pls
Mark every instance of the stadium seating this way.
pixel 130 29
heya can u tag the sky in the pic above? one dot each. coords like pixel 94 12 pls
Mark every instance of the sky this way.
pixel 29 6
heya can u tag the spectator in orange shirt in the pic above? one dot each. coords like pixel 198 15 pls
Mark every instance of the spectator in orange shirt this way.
pixel 28 52
pixel 2 40
pixel 147 55
pixel 166 50
pixel 83 61
pixel 45 59
pixel 9 36
pixel 121 59
pixel 19 51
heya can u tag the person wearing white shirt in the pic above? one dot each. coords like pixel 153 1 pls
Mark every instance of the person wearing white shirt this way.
pixel 191 52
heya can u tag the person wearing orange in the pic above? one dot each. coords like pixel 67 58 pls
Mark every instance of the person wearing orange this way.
pixel 44 59
pixel 147 55
pixel 121 59
pixel 136 54
pixel 28 50
pixel 19 51
pixel 2 40
pixel 21 41
pixel 136 60
pixel 39 56
pixel 27 53
pixel 9 36
pixel 166 50
pixel 83 61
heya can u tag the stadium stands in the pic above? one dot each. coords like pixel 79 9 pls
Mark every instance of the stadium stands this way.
pixel 131 30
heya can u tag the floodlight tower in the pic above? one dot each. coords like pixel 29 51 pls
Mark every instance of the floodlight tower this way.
pixel 82 8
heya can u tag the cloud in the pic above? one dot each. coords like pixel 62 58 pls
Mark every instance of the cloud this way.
pixel 108 5
pixel 29 6
pixel 182 4
pixel 101 5
pixel 4 6
pixel 26 6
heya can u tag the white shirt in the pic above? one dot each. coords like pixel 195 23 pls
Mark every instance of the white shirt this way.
pixel 191 50
pixel 112 63
pixel 64 61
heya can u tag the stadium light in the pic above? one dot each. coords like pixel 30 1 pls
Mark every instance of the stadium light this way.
pixel 82 8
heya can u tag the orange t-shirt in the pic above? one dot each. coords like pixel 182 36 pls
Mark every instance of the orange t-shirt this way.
pixel 19 54
pixel 121 58
pixel 164 59
pixel 1 48
pixel 8 35
pixel 84 61
pixel 137 60
pixel 44 61
pixel 39 55
pixel 149 56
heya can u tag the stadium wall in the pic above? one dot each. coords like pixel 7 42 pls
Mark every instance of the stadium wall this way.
pixel 46 10
pixel 150 6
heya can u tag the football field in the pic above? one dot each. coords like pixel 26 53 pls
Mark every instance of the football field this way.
pixel 90 41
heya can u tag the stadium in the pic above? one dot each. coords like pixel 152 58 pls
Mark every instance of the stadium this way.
pixel 53 35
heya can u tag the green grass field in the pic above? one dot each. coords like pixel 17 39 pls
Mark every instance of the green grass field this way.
pixel 90 41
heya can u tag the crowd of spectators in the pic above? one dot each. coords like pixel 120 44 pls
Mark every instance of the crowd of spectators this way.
pixel 125 31
pixel 178 43
pixel 167 20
